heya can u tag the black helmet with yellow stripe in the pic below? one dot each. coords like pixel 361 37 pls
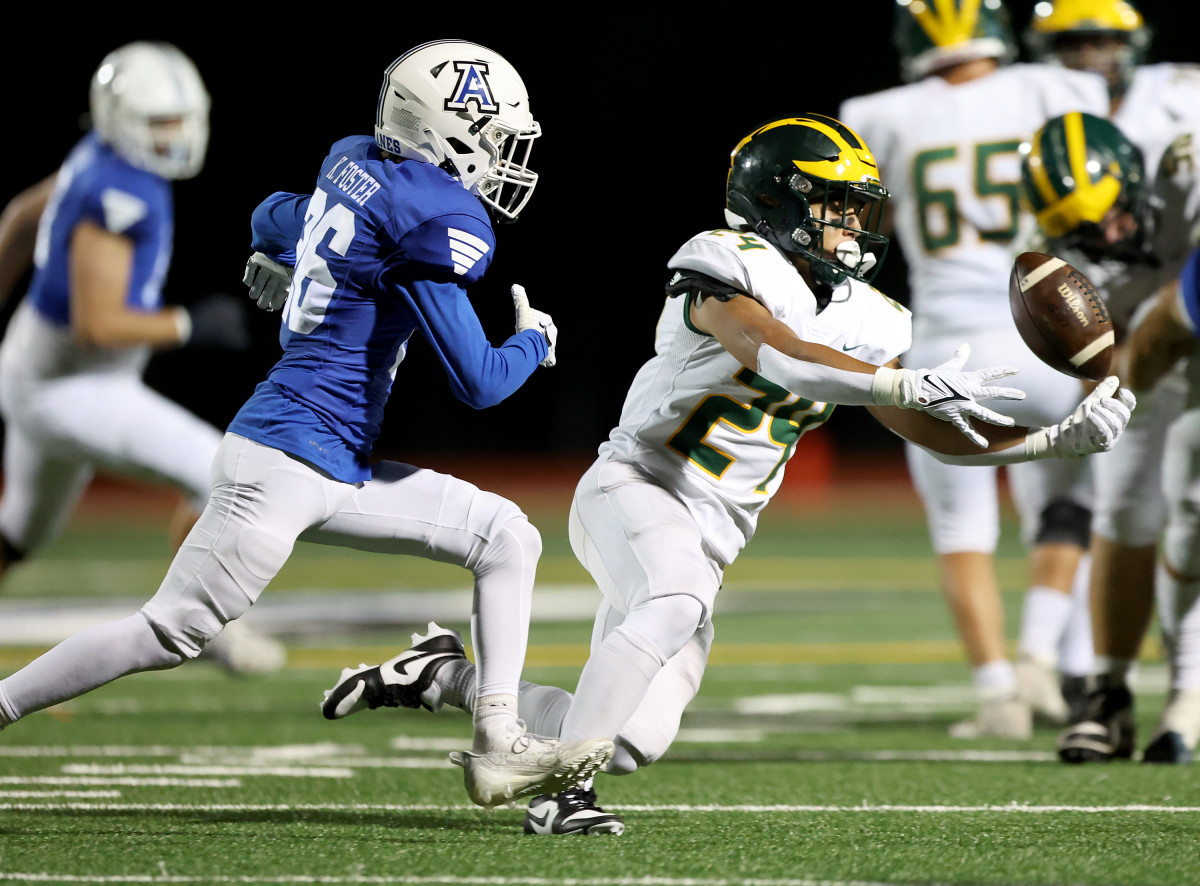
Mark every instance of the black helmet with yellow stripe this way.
pixel 1075 170
pixel 777 173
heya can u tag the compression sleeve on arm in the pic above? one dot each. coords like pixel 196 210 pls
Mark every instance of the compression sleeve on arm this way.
pixel 816 381
pixel 277 224
pixel 480 375
pixel 1034 446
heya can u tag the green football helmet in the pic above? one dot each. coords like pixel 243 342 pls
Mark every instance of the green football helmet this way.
pixel 1077 168
pixel 1071 33
pixel 777 173
pixel 933 34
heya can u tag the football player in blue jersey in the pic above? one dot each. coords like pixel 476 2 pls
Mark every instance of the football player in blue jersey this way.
pixel 396 228
pixel 98 235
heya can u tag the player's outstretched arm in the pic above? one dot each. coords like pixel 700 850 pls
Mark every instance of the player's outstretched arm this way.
pixel 748 331
pixel 18 233
pixel 1095 426
pixel 1158 338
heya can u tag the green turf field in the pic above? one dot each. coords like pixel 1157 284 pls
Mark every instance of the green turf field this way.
pixel 816 752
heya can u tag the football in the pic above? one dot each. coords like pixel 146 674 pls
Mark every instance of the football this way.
pixel 1061 316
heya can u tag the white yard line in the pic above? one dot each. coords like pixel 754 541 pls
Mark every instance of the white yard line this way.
pixel 123 781
pixel 860 809
pixel 158 769
pixel 74 795
pixel 333 880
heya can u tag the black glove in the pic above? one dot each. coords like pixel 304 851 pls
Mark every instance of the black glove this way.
pixel 218 321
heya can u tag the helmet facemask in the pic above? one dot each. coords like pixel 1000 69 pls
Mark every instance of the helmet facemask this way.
pixel 507 187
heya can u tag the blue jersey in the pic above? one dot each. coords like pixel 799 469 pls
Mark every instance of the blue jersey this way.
pixel 94 184
pixel 382 249
pixel 1189 290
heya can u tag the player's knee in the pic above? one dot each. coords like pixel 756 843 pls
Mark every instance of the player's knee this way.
pixel 517 541
pixel 1064 521
pixel 667 622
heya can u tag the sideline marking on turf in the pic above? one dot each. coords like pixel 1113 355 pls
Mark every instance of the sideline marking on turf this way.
pixel 1013 807
pixel 344 754
pixel 44 877
pixel 124 781
pixel 75 795
pixel 173 770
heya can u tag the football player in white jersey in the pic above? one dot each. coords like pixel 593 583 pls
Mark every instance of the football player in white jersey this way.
pixel 768 323
pixel 1149 104
pixel 99 235
pixel 1132 229
pixel 946 143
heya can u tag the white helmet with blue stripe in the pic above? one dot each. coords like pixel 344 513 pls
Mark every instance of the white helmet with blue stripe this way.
pixel 149 103
pixel 463 108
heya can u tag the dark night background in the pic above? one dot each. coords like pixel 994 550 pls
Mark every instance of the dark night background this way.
pixel 638 116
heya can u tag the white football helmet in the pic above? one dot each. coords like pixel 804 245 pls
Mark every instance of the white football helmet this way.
pixel 149 103
pixel 463 108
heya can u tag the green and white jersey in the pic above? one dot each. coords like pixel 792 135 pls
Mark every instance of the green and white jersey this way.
pixel 948 155
pixel 712 430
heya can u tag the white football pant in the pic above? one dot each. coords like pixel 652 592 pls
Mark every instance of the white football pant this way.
pixel 652 635
pixel 262 501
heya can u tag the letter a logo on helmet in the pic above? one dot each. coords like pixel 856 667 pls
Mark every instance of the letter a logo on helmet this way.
pixel 472 86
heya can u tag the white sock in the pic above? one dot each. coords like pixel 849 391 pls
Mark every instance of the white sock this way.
pixel 1043 623
pixel 455 682
pixel 1180 617
pixel 496 723
pixel 995 678
pixel 543 708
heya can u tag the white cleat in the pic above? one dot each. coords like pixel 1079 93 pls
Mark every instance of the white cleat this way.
pixel 244 652
pixel 1006 716
pixel 1039 685
pixel 399 682
pixel 532 765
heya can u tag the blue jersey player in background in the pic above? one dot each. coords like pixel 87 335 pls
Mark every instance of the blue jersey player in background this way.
pixel 98 234
pixel 395 229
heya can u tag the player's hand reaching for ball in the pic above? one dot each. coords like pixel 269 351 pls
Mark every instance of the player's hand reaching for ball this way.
pixel 1095 425
pixel 949 393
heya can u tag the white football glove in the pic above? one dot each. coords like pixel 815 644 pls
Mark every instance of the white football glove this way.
pixel 268 281
pixel 948 393
pixel 531 318
pixel 1095 425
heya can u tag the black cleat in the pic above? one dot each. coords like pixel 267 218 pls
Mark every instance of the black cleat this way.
pixel 398 682
pixel 573 811
pixel 1168 747
pixel 1105 731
